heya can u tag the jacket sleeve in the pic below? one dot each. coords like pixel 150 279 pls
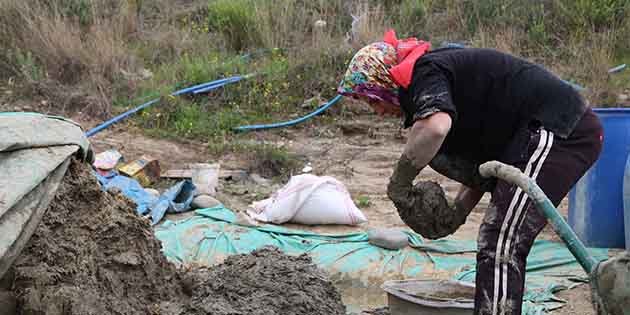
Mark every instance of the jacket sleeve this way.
pixel 428 93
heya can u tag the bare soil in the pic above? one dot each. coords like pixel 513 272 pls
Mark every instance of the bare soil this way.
pixel 92 254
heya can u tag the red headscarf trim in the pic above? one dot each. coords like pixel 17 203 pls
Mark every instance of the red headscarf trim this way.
pixel 408 51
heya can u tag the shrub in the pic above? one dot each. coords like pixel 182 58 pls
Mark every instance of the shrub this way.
pixel 235 21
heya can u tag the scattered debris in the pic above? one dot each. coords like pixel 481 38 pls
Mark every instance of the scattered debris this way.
pixel 107 160
pixel 308 168
pixel 229 175
pixel 206 178
pixel 145 169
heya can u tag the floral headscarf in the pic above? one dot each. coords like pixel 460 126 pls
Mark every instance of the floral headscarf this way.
pixel 378 70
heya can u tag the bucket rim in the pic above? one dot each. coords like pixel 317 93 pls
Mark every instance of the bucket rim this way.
pixel 390 288
pixel 611 109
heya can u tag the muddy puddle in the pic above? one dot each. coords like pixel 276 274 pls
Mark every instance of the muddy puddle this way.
pixel 358 297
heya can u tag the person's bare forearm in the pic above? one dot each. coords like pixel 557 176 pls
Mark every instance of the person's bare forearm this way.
pixel 425 138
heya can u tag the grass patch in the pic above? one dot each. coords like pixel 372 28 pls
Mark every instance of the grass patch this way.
pixel 116 51
pixel 271 161
pixel 363 201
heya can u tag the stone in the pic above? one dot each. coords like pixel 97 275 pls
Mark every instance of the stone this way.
pixel 204 201
pixel 388 238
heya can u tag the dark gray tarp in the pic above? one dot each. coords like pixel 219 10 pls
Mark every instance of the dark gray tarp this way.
pixel 35 151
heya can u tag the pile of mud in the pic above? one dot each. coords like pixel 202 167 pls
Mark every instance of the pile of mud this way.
pixel 266 282
pixel 92 254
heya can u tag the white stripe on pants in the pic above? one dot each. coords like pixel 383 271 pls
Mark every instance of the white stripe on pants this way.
pixel 511 220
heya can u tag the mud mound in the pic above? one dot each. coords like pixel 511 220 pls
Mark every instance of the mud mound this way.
pixel 265 282
pixel 92 254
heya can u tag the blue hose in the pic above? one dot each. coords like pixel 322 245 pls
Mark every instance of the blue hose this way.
pixel 290 122
pixel 204 87
pixel 618 68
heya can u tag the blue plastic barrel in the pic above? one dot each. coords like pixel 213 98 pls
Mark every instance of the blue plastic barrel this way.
pixel 596 206
pixel 626 201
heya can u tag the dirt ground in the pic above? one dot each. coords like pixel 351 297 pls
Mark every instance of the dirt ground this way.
pixel 92 254
pixel 360 152
pixel 266 282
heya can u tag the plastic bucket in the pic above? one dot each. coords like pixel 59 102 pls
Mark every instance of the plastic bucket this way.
pixel 596 211
pixel 430 297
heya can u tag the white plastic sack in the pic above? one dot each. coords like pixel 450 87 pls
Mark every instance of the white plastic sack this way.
pixel 309 199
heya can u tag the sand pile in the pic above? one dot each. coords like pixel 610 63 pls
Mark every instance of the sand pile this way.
pixel 92 254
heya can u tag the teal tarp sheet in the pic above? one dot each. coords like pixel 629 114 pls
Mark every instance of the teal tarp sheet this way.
pixel 211 235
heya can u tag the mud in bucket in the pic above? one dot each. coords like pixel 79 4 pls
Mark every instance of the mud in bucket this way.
pixel 596 207
pixel 430 297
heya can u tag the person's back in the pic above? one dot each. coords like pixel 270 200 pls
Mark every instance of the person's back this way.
pixel 489 95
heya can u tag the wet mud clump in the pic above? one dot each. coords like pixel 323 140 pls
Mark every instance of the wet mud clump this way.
pixel 266 282
pixel 92 254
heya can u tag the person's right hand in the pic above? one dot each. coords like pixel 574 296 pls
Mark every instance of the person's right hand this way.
pixel 401 183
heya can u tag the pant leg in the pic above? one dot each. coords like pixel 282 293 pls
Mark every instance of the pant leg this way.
pixel 512 222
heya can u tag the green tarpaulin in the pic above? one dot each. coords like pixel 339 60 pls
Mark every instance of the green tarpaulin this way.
pixel 211 235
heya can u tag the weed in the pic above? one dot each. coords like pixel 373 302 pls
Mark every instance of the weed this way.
pixel 363 201
pixel 94 47
pixel 273 162
pixel 235 21
pixel 28 66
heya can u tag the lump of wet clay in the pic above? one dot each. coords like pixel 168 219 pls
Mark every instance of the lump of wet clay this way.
pixel 430 214
pixel 204 201
pixel 388 238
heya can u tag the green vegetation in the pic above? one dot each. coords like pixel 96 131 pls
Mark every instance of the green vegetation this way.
pixel 363 201
pixel 120 51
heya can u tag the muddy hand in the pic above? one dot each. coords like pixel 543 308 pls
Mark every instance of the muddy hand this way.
pixel 432 216
pixel 401 183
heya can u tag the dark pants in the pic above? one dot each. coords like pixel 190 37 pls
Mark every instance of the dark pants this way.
pixel 512 222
